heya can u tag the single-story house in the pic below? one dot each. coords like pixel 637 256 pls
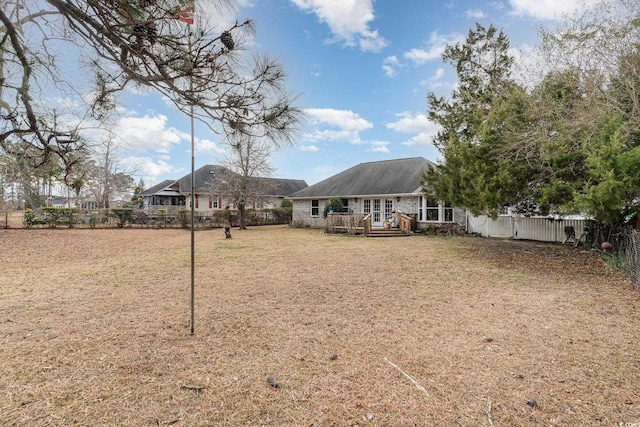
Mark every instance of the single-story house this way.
pixel 377 188
pixel 177 193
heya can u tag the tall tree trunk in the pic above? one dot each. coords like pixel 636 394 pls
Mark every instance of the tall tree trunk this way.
pixel 241 213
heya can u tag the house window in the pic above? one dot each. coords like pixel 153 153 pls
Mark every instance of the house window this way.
pixel 366 207
pixel 388 207
pixel 376 210
pixel 197 200
pixel 448 213
pixel 420 210
pixel 345 205
pixel 432 210
pixel 315 207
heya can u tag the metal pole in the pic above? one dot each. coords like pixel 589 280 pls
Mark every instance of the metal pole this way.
pixel 193 201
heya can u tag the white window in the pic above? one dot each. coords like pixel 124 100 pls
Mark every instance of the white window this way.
pixel 388 207
pixel 432 210
pixel 315 207
pixel 376 210
pixel 448 212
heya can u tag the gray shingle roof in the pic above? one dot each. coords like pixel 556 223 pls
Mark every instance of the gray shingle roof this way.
pixel 157 188
pixel 400 176
pixel 285 187
pixel 205 174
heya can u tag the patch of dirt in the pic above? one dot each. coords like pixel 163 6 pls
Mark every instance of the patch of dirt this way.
pixel 297 328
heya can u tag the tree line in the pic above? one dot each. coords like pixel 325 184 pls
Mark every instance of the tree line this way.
pixel 563 140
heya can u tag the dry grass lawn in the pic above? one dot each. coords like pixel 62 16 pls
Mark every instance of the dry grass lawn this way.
pixel 94 330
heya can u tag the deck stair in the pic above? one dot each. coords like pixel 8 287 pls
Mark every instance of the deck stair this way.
pixel 403 230
pixel 387 232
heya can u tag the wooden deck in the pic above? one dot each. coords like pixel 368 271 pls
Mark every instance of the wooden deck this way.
pixel 358 224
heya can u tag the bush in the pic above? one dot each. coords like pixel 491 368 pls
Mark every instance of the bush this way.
pixel 31 218
pixel 333 205
pixel 123 215
pixel 183 216
pixel 59 216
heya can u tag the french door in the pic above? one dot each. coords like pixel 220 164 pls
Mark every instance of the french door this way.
pixel 380 210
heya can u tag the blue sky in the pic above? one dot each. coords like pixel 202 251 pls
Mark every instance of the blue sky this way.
pixel 362 69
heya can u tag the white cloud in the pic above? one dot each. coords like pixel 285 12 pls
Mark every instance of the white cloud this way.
pixel 309 148
pixel 348 21
pixel 148 169
pixel 148 133
pixel 390 64
pixel 389 71
pixel 434 81
pixel 418 124
pixel 549 9
pixel 379 147
pixel 343 125
pixel 410 123
pixel 206 146
pixel 474 14
pixel 344 119
pixel 435 47
pixel 422 139
pixel 334 135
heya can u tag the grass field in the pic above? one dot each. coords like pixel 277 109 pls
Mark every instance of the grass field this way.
pixel 94 330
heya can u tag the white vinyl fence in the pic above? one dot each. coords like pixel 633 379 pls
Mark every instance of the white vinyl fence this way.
pixel 543 229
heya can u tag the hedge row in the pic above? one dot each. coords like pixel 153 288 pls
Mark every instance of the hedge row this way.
pixel 53 217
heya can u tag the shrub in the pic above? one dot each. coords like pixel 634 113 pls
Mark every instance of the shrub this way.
pixel 123 215
pixel 31 218
pixel 183 216
pixel 287 204
pixel 59 216
pixel 93 219
pixel 334 205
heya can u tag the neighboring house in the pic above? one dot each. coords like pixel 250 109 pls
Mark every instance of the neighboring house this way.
pixel 71 202
pixel 165 195
pixel 177 193
pixel 376 188
pixel 278 189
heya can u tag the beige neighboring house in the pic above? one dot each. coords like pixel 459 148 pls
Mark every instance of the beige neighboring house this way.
pixel 176 194
pixel 377 188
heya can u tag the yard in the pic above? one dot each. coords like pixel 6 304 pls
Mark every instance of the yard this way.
pixel 443 331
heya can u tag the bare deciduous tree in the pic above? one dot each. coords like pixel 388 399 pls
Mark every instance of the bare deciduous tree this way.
pixel 143 42
pixel 245 183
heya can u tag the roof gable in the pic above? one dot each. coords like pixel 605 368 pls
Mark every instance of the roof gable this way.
pixel 400 176
pixel 158 188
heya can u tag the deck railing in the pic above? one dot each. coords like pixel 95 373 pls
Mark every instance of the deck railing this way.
pixel 367 224
pixel 405 223
pixel 349 223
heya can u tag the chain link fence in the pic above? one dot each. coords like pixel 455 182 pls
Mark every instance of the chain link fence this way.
pixel 136 218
